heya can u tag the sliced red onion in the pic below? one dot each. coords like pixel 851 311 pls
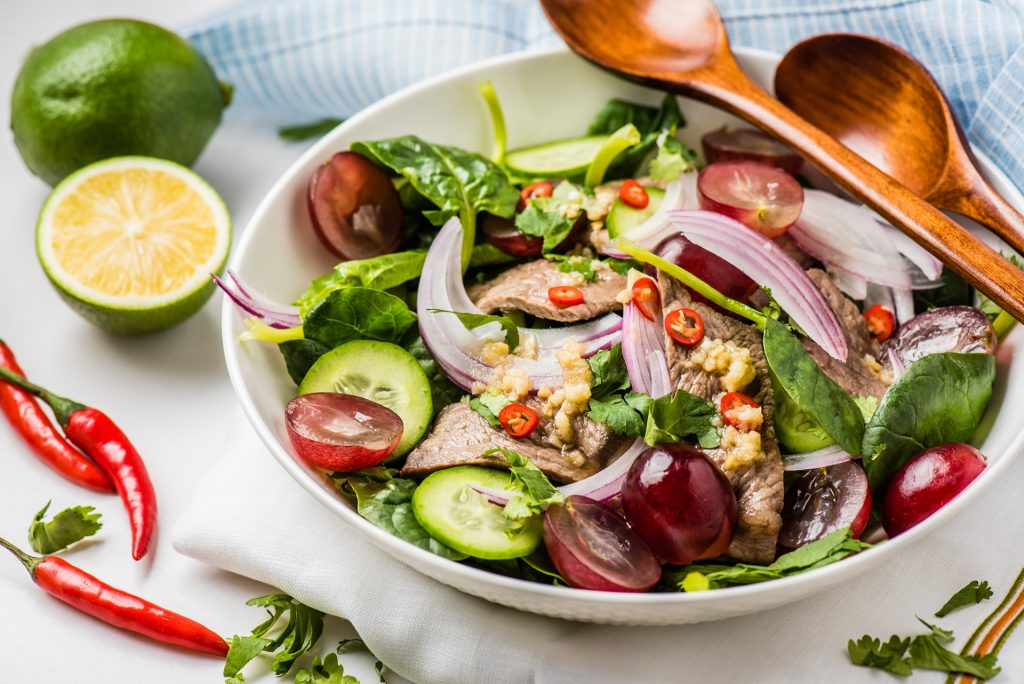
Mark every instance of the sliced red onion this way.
pixel 679 194
pixel 643 346
pixel 457 350
pixel 898 300
pixel 602 486
pixel 275 315
pixel 852 285
pixel 929 264
pixel 766 264
pixel 896 363
pixel 819 458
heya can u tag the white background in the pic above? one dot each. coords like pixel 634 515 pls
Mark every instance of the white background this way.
pixel 169 392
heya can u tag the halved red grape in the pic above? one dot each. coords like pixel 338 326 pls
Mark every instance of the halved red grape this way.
pixel 824 500
pixel 680 503
pixel 342 431
pixel 927 482
pixel 712 269
pixel 749 144
pixel 355 208
pixel 761 197
pixel 593 547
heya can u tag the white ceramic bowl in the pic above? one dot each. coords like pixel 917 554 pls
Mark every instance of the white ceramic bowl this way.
pixel 546 96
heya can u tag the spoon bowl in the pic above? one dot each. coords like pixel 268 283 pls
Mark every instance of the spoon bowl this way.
pixel 836 82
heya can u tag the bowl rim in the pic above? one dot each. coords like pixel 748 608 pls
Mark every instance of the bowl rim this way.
pixel 397 547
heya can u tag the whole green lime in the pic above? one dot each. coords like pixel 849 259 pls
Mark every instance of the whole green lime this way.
pixel 112 88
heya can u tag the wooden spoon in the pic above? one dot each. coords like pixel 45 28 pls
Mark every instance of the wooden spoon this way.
pixel 681 46
pixel 837 81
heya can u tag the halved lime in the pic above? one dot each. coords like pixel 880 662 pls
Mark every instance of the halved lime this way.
pixel 130 242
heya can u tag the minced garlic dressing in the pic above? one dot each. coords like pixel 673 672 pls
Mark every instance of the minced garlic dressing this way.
pixel 883 374
pixel 571 399
pixel 743 449
pixel 512 382
pixel 728 360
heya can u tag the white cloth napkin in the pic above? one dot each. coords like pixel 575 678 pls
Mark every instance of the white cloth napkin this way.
pixel 249 517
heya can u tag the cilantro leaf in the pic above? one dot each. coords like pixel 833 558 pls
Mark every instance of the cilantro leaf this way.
pixel 489 405
pixel 533 489
pixel 552 218
pixel 241 650
pixel 944 636
pixel 475 320
pixel 679 415
pixel 575 264
pixel 825 551
pixel 888 656
pixel 617 414
pixel 326 671
pixel 673 158
pixel 926 652
pixel 609 370
pixel 67 527
pixel 975 592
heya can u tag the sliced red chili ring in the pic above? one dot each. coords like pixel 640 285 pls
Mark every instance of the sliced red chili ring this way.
pixel 541 189
pixel 518 420
pixel 732 401
pixel 565 295
pixel 645 295
pixel 685 326
pixel 634 194
pixel 880 322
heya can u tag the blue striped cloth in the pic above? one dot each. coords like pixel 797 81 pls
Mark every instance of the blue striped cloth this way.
pixel 305 59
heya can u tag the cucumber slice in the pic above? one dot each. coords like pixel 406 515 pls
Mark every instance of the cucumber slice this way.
pixel 623 218
pixel 447 507
pixel 381 372
pixel 560 159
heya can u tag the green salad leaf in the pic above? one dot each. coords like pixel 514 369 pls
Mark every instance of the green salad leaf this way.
pixel 67 527
pixel 377 273
pixel 941 398
pixel 675 416
pixel 650 123
pixel 442 390
pixel 609 372
pixel 358 313
pixel 610 403
pixel 552 218
pixel 673 158
pixel 386 501
pixel 313 129
pixel 617 413
pixel 489 405
pixel 299 634
pixel 300 355
pixel 532 487
pixel 825 551
pixel 973 593
pixel 456 181
pixel 575 264
pixel 813 392
pixel 326 671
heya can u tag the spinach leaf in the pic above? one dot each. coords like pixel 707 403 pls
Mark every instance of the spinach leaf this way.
pixel 358 313
pixel 442 390
pixel 941 398
pixel 552 218
pixel 488 255
pixel 458 182
pixel 475 320
pixel 953 291
pixel 300 355
pixel 386 502
pixel 681 414
pixel 67 527
pixel 973 593
pixel 649 121
pixel 377 273
pixel 811 390
pixel 825 551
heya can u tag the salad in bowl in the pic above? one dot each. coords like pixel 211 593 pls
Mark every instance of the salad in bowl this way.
pixel 609 362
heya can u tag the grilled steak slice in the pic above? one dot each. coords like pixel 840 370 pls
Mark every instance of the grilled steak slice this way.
pixel 758 485
pixel 460 436
pixel 525 288
pixel 854 375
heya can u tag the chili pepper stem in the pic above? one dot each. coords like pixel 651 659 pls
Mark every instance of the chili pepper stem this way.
pixel 30 562
pixel 62 407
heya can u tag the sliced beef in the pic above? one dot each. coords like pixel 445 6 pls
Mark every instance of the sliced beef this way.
pixel 525 288
pixel 758 487
pixel 460 436
pixel 854 375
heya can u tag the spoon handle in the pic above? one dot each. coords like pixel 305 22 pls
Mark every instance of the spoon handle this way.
pixel 727 87
pixel 990 209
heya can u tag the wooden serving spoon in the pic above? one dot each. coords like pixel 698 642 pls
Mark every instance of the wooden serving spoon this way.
pixel 837 81
pixel 681 46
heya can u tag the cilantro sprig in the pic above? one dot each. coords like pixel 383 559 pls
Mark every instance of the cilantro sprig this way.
pixel 973 593
pixel 902 655
pixel 66 528
pixel 533 489
pixel 300 633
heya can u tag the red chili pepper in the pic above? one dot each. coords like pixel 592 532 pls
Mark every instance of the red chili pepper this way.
pixel 518 420
pixel 95 434
pixel 732 401
pixel 77 588
pixel 27 417
pixel 880 322
pixel 645 295
pixel 541 189
pixel 685 326
pixel 565 295
pixel 634 194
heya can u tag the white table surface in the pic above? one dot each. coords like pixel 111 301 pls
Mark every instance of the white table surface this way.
pixel 169 392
